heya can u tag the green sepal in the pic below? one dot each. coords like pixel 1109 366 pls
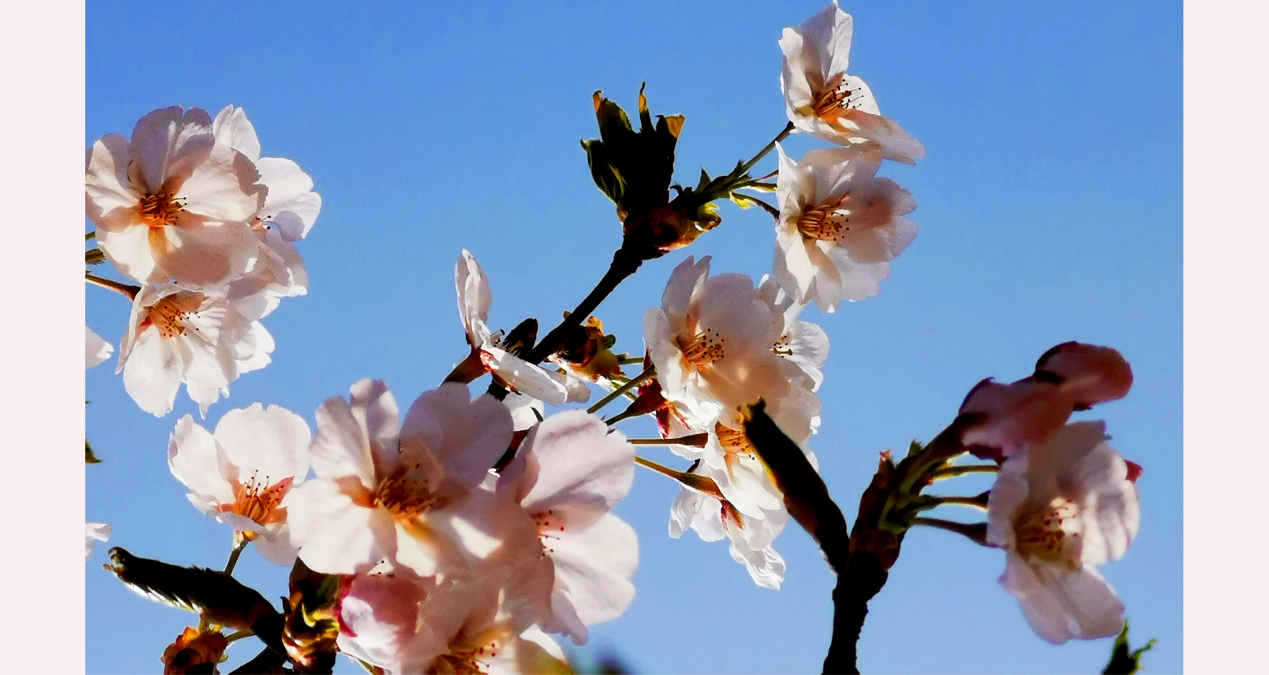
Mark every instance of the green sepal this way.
pixel 1123 661
pixel 609 341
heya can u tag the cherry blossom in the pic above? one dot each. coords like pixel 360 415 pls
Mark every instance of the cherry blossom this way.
pixel 412 492
pixel 488 352
pixel 1059 508
pixel 289 210
pixel 803 343
pixel 839 225
pixel 243 473
pixel 568 475
pixel 172 205
pixel 822 99
pixel 712 344
pixel 98 350
pixel 202 338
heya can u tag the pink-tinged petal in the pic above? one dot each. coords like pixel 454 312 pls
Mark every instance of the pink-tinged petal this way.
pixel 97 350
pixel 256 347
pixel 379 622
pixel 698 512
pixel 593 569
pixel 793 268
pixel 195 460
pixel 795 77
pixel 167 144
pixel 276 547
pixel 272 442
pixel 200 252
pixel 474 297
pixel 481 521
pixel 129 250
pixel 896 144
pixel 1008 494
pixel 1111 513
pixel 335 535
pixel 291 202
pixel 375 409
pixel 340 448
pixel 579 462
pixel 153 371
pixel 679 290
pixel 1089 374
pixel 525 377
pixel 224 188
pixel 467 436
pixel 111 202
pixel 828 31
pixel 1061 604
pixel 232 128
pixel 1014 415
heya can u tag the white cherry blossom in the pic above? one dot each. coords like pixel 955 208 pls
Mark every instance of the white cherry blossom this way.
pixel 1059 508
pixel 568 475
pixel 803 343
pixel 98 350
pixel 487 351
pixel 202 338
pixel 410 493
pixel 172 205
pixel 243 473
pixel 711 342
pixel 839 225
pixel 822 99
pixel 289 210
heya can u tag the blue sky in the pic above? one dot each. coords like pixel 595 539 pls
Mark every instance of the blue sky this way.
pixel 1049 204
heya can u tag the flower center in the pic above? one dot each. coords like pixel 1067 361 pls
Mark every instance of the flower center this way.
pixel 835 98
pixel 403 496
pixel 160 209
pixel 171 313
pixel 828 222
pixel 466 661
pixel 1050 533
pixel 258 500
pixel 781 346
pixel 549 526
pixel 707 347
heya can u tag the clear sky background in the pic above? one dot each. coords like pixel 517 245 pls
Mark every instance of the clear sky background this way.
pixel 1049 204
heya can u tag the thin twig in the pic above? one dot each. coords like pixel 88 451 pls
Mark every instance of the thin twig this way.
pixel 129 291
pixel 616 393
pixel 695 440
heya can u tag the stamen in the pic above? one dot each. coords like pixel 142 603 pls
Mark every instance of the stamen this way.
pixel 835 98
pixel 258 500
pixel 1049 533
pixel 403 496
pixel 829 222
pixel 781 346
pixel 707 347
pixel 159 209
pixel 171 313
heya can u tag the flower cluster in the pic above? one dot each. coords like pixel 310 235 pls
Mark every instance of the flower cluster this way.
pixel 1064 501
pixel 441 560
pixel 189 208
pixel 839 225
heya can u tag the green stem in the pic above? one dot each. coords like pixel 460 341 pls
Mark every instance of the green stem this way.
pixel 239 544
pixel 953 471
pixel 616 393
pixel 125 289
pixel 744 168
pixel 931 501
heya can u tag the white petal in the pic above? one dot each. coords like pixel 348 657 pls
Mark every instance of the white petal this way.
pixel 340 447
pixel 593 569
pixel 98 350
pixel 579 461
pixel 333 534
pixel 167 144
pixel 232 128
pixel 525 377
pixel 153 371
pixel 272 441
pixel 195 460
